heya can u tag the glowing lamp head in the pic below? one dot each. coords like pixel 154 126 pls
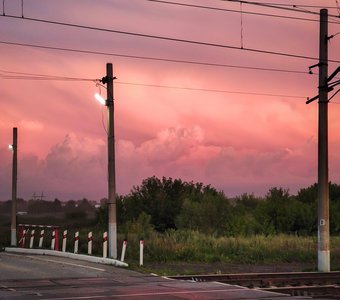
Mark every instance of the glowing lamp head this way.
pixel 10 147
pixel 100 99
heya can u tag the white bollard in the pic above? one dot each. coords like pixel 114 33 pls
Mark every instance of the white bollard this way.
pixel 32 238
pixel 53 240
pixel 89 243
pixel 64 241
pixel 76 242
pixel 122 257
pixel 41 239
pixel 141 252
pixel 105 244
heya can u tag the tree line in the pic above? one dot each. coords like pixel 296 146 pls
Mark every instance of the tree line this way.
pixel 72 209
pixel 172 204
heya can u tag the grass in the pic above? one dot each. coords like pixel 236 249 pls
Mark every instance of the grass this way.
pixel 192 246
pixel 187 251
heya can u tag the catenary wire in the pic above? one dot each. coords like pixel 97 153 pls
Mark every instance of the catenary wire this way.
pixel 4 76
pixel 301 5
pixel 154 58
pixel 62 78
pixel 169 39
pixel 232 10
pixel 275 6
pixel 37 74
pixel 208 90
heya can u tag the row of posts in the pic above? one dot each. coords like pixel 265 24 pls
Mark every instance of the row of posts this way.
pixel 55 243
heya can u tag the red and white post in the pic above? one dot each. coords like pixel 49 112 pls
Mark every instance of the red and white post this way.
pixel 32 238
pixel 21 232
pixel 105 244
pixel 53 240
pixel 76 242
pixel 89 243
pixel 141 252
pixel 64 241
pixel 41 239
pixel 56 239
pixel 23 238
pixel 122 257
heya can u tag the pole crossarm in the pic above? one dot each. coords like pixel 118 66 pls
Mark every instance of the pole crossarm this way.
pixel 328 86
pixel 337 70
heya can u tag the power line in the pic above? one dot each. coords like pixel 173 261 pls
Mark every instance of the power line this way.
pixel 236 11
pixel 231 10
pixel 275 6
pixel 208 90
pixel 301 5
pixel 35 76
pixel 154 58
pixel 166 38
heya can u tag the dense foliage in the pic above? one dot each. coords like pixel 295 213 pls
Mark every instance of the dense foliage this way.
pixel 168 204
pixel 174 204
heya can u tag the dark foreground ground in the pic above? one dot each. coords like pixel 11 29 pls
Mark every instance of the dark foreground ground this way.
pixel 31 277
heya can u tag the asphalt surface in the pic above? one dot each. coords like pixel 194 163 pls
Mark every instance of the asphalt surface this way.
pixel 47 277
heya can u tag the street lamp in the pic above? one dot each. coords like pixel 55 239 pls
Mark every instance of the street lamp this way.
pixel 112 223
pixel 100 99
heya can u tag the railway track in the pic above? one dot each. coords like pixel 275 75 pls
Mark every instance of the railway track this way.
pixel 314 284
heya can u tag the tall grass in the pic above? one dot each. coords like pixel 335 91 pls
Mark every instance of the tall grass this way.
pixel 192 246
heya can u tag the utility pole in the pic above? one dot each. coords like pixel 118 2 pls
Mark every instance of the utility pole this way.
pixel 14 188
pixel 112 226
pixel 323 183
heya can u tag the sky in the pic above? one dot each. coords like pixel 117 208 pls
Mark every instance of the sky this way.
pixel 237 127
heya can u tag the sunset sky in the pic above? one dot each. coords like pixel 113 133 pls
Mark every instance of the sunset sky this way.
pixel 230 124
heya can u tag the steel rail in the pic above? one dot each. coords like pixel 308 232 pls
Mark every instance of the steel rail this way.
pixel 292 283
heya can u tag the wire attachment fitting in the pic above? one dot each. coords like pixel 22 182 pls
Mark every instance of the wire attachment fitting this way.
pixel 106 79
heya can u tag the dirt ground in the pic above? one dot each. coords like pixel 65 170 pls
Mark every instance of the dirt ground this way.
pixel 224 268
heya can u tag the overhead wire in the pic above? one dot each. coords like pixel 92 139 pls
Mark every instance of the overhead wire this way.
pixel 230 10
pixel 302 5
pixel 209 90
pixel 168 60
pixel 143 35
pixel 169 39
pixel 35 76
pixel 236 11
pixel 275 6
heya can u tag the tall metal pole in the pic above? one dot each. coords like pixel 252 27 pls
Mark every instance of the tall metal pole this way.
pixel 323 187
pixel 14 189
pixel 112 228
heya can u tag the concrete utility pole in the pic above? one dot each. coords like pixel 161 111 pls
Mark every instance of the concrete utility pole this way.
pixel 112 228
pixel 14 188
pixel 323 186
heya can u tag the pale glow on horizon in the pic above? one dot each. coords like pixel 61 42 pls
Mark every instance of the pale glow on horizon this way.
pixel 100 99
